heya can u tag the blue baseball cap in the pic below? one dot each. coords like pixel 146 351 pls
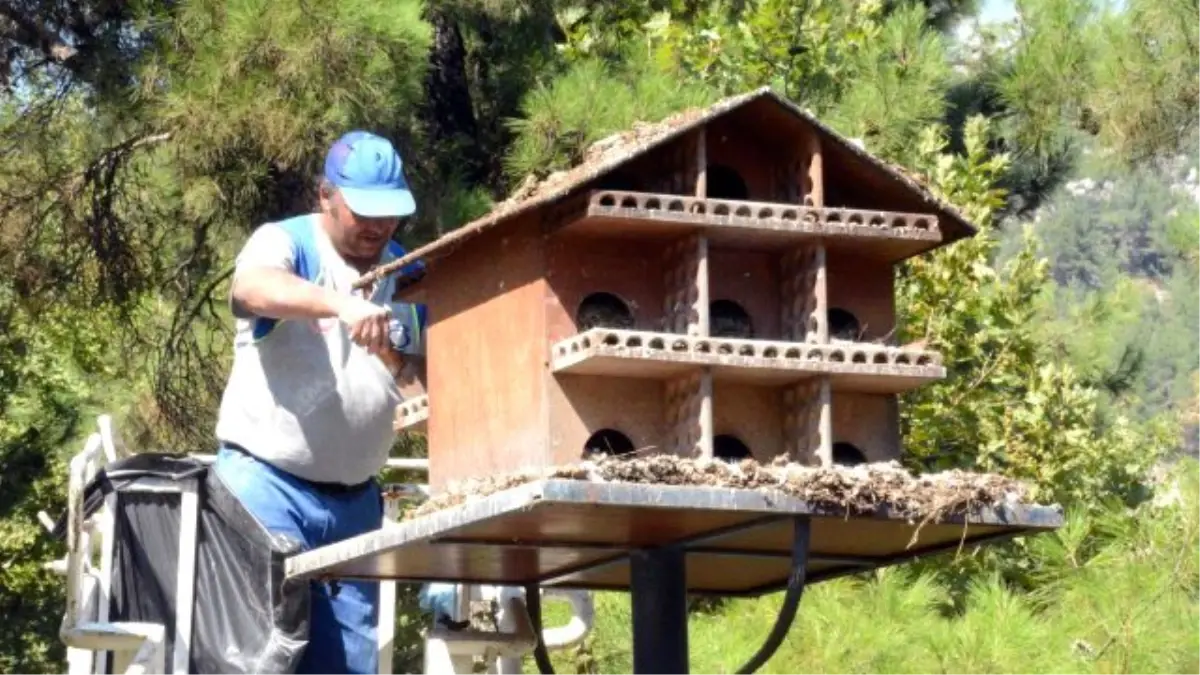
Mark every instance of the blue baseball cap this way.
pixel 369 173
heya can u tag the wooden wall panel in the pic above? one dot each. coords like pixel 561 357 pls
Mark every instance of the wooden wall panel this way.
pixel 582 405
pixel 580 265
pixel 871 422
pixel 487 356
pixel 865 288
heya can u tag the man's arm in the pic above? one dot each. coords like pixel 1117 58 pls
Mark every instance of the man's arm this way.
pixel 277 294
pixel 265 285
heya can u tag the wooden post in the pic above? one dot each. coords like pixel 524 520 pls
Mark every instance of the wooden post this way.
pixel 825 427
pixel 821 295
pixel 706 414
pixel 702 285
pixel 816 179
pixel 702 301
pixel 815 193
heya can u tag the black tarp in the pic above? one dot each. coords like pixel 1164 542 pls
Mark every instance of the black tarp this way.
pixel 247 618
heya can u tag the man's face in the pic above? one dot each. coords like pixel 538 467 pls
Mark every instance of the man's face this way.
pixel 358 238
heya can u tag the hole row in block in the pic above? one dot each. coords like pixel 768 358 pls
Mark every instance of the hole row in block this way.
pixel 633 343
pixel 827 217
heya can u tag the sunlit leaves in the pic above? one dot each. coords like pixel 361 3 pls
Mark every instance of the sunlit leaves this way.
pixel 1008 404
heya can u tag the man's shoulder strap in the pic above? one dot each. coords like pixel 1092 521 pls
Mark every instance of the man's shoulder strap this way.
pixel 306 257
pixel 302 231
pixel 410 318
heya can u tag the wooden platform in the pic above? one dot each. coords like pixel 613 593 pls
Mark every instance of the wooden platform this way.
pixel 579 534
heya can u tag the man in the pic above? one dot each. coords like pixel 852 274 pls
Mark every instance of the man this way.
pixel 306 419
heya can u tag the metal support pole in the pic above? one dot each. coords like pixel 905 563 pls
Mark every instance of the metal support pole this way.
pixel 659 601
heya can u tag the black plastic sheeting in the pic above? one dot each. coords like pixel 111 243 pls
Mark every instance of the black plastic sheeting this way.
pixel 247 618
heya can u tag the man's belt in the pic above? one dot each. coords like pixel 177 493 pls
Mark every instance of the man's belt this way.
pixel 329 488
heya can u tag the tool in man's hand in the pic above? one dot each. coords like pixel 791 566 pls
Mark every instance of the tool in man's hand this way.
pixel 406 322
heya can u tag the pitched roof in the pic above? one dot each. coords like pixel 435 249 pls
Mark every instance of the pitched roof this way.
pixel 610 153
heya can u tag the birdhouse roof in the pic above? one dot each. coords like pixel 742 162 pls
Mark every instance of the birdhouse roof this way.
pixel 772 110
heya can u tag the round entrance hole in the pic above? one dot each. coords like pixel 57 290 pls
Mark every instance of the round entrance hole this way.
pixel 843 325
pixel 603 310
pixel 723 182
pixel 847 454
pixel 727 318
pixel 730 448
pixel 607 442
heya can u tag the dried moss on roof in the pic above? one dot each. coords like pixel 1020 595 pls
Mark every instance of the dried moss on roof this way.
pixel 861 489
pixel 616 149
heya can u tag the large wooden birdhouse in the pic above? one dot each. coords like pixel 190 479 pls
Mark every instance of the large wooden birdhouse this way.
pixel 717 284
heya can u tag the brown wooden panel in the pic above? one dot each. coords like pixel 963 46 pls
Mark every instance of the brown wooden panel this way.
pixel 486 367
pixel 753 414
pixel 581 406
pixel 751 279
pixel 871 422
pixel 864 288
pixel 579 266
pixel 474 562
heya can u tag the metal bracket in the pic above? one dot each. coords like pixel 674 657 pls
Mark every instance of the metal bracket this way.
pixel 533 604
pixel 801 534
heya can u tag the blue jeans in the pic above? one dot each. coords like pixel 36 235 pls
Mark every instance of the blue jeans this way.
pixel 343 624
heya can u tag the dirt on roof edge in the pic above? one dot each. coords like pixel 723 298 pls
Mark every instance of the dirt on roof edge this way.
pixel 861 489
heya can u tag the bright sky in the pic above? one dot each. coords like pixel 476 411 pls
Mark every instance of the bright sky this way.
pixel 997 10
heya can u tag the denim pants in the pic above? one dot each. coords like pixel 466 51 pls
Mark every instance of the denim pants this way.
pixel 343 624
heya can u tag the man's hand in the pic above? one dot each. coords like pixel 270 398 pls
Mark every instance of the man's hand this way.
pixel 282 295
pixel 367 323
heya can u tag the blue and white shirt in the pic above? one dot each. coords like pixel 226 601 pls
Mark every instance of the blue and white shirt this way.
pixel 301 395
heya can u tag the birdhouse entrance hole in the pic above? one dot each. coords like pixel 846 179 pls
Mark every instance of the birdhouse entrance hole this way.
pixel 847 454
pixel 620 181
pixel 603 310
pixel 724 182
pixel 730 448
pixel 843 325
pixel 607 442
pixel 727 318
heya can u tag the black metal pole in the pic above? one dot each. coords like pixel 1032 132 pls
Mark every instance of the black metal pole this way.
pixel 533 604
pixel 659 599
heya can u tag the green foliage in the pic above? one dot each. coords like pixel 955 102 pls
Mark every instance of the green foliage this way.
pixel 1122 249
pixel 45 371
pixel 1144 92
pixel 871 74
pixel 289 77
pixel 588 102
pixel 1006 404
pixel 1044 85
